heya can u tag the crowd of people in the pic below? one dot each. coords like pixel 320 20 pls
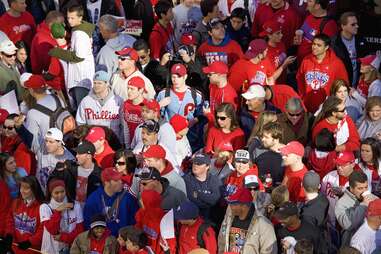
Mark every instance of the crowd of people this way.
pixel 190 127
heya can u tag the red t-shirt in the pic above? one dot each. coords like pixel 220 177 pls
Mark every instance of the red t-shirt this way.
pixel 276 55
pixel 228 53
pixel 161 40
pixel 216 137
pixel 281 94
pixel 233 181
pixel 219 95
pixel 294 183
pixel 20 28
pixel 245 71
pixel 132 115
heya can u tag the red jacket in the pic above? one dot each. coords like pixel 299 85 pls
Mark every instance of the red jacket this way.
pixel 353 142
pixel 20 28
pixel 315 79
pixel 233 182
pixel 41 44
pixel 5 201
pixel 148 219
pixel 105 159
pixel 56 70
pixel 24 223
pixel 286 16
pixel 188 238
pixel 161 40
pixel 281 94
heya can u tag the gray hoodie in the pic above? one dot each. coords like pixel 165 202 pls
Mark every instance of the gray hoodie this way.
pixel 107 56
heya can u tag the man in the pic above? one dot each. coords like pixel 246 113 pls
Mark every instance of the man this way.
pixel 9 75
pixel 295 121
pixel 261 199
pixel 115 41
pixel 266 154
pixel 155 156
pixel 317 72
pixel 334 118
pixel 293 226
pixel 365 238
pixel 131 111
pixel 149 66
pixel 150 130
pixel 167 135
pixel 220 89
pixel 219 47
pixel 17 23
pixel 194 232
pixel 151 179
pixel 43 42
pixel 348 46
pixel 244 231
pixel 162 39
pixel 101 107
pixel 83 176
pixel 317 22
pixel 203 189
pixel 104 155
pixel 281 11
pixel 117 205
pixel 180 98
pixel 351 208
pixel 292 155
pixel 127 59
pixel 256 103
pixel 209 10
pixel 237 29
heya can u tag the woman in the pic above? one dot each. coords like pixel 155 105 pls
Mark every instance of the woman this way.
pixel 370 159
pixel 256 133
pixel 21 57
pixel 24 218
pixel 370 79
pixel 370 124
pixel 225 129
pixel 125 163
pixel 11 173
pixel 61 218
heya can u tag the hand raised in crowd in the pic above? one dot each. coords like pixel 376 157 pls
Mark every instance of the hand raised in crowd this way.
pixel 165 59
pixel 19 120
pixel 165 101
pixel 184 55
pixel 64 207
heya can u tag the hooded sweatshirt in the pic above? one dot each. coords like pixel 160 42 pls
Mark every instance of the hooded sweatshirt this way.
pixel 105 112
pixel 148 219
pixel 107 56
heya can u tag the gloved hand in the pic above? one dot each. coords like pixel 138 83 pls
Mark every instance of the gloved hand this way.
pixel 24 245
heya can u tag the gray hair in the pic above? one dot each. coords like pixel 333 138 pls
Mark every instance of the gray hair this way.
pixel 109 22
pixel 294 104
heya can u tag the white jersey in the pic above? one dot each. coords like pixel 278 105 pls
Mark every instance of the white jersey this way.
pixel 364 239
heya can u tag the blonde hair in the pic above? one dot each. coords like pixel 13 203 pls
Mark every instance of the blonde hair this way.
pixel 263 118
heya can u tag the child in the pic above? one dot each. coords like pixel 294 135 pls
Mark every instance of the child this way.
pixel 96 240
pixel 133 240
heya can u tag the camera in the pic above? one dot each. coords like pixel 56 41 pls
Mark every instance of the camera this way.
pixel 176 58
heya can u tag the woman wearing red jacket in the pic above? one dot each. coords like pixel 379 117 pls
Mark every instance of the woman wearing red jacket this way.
pixel 23 220
pixel 148 218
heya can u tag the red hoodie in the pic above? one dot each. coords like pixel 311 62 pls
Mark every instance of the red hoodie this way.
pixel 281 94
pixel 105 159
pixel 315 79
pixel 148 219
pixel 41 44
pixel 24 223
pixel 233 182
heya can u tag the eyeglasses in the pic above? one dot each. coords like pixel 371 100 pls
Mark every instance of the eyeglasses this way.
pixel 9 127
pixel 295 114
pixel 123 58
pixel 9 56
pixel 120 163
pixel 222 118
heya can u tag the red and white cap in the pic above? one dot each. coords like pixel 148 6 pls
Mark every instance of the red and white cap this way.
pixel 373 60
pixel 269 27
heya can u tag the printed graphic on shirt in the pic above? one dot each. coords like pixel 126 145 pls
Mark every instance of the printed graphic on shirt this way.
pixel 259 78
pixel 316 79
pixel 309 32
pixel 100 115
pixel 21 28
pixel 237 238
pixel 131 117
pixel 81 189
pixel 150 232
pixel 279 59
pixel 43 175
pixel 24 223
pixel 187 27
pixel 230 189
pixel 188 108
pixel 216 56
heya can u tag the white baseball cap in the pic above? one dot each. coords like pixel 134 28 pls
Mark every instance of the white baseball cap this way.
pixel 55 134
pixel 254 91
pixel 25 77
pixel 8 47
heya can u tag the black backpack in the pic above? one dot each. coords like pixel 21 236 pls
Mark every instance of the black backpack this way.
pixel 60 118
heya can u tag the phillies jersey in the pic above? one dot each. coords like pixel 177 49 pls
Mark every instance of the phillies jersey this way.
pixel 286 16
pixel 229 51
pixel 131 118
pixel 245 71
pixel 183 106
pixel 21 28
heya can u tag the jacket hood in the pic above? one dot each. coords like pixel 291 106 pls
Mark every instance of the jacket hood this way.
pixel 225 41
pixel 329 59
pixel 43 28
pixel 86 27
pixel 151 199
pixel 119 42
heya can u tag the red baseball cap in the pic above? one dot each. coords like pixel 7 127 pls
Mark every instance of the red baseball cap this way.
pixel 373 60
pixel 188 39
pixel 241 195
pixel 178 122
pixel 152 105
pixel 216 67
pixel 179 69
pixel 3 115
pixel 109 174
pixel 344 158
pixel 155 151
pixel 256 47
pixel 128 52
pixel 35 82
pixel 136 82
pixel 95 134
pixel 293 147
pixel 374 208
pixel 269 27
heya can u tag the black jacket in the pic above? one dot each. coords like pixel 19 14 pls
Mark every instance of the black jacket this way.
pixel 156 73
pixel 68 171
pixel 315 211
pixel 341 51
pixel 143 10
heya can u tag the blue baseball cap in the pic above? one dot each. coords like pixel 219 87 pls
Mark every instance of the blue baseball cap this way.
pixel 187 210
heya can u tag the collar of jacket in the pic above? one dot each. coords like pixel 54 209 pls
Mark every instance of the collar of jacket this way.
pixel 86 27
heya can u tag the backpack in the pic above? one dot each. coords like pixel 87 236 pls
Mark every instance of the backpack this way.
pixel 200 232
pixel 60 118
pixel 193 93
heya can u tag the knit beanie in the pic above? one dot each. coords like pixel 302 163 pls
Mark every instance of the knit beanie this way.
pixel 57 30
pixel 178 123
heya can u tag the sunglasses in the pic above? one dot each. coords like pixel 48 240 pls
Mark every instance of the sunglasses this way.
pixel 9 127
pixel 297 114
pixel 9 56
pixel 222 118
pixel 120 163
